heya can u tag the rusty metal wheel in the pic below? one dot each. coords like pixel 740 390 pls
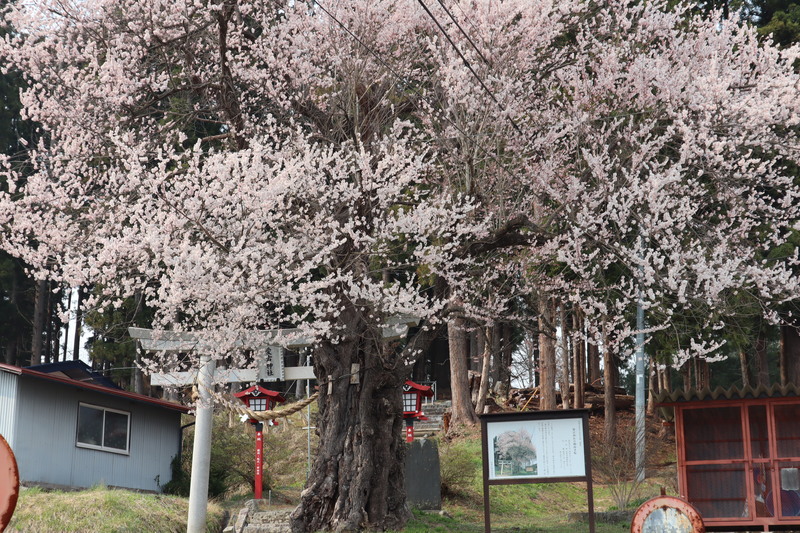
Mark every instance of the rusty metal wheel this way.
pixel 667 514
pixel 9 483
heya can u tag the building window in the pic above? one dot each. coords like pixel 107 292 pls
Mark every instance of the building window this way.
pixel 103 429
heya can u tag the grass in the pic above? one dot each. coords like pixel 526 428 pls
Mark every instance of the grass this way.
pixel 102 510
pixel 435 523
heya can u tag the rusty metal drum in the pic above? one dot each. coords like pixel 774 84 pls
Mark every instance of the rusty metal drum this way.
pixel 667 514
pixel 9 483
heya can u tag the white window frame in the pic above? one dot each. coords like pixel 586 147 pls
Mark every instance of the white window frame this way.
pixel 80 444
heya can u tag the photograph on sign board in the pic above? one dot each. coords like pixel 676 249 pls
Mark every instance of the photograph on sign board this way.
pixel 514 454
pixel 547 448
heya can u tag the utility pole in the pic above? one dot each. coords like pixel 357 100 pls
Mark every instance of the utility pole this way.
pixel 640 389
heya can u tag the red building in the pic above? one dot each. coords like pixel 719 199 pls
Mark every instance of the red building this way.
pixel 739 455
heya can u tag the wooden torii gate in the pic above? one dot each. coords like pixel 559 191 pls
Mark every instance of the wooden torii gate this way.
pixel 269 344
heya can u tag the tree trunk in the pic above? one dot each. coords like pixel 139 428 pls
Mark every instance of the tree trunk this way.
pixel 744 365
pixel 593 355
pixel 504 356
pixel 686 372
pixel 702 374
pixel 665 379
pixel 609 397
pixel 790 355
pixel 565 363
pixel 652 388
pixel 480 405
pixel 531 349
pixel 76 342
pixel 13 338
pixel 579 359
pixel 475 350
pixel 66 339
pixel 547 356
pixel 39 315
pixel 138 380
pixel 462 411
pixel 51 348
pixel 357 478
pixel 615 363
pixel 11 350
pixel 762 377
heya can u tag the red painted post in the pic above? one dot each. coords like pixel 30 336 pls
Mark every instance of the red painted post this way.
pixel 259 460
pixel 409 430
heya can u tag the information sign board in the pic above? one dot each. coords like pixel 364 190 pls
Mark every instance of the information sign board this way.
pixel 536 447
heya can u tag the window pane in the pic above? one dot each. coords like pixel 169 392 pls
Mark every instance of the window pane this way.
pixel 717 491
pixel 713 433
pixel 762 487
pixel 116 435
pixel 258 404
pixel 759 438
pixel 789 489
pixel 409 402
pixel 787 430
pixel 90 425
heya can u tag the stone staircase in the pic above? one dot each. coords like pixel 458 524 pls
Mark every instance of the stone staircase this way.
pixel 435 412
pixel 254 518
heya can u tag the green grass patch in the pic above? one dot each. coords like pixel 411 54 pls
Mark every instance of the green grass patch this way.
pixel 102 510
pixel 435 523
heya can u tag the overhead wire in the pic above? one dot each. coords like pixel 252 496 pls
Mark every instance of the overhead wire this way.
pixel 464 33
pixel 416 90
pixel 468 64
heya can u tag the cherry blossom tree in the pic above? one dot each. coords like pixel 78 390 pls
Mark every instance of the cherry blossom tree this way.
pixel 257 164
pixel 651 151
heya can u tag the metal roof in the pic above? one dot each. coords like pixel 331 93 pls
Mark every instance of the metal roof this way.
pixel 87 385
pixel 732 393
pixel 77 370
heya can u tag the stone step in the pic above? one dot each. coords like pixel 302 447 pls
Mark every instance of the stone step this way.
pixel 435 408
pixel 269 522
pixel 267 528
pixel 268 517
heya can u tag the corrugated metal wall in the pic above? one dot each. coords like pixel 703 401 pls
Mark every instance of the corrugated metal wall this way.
pixel 48 414
pixel 8 406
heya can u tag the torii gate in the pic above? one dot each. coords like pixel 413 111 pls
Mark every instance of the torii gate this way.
pixel 270 344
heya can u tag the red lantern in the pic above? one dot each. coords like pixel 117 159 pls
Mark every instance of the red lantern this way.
pixel 257 398
pixel 412 405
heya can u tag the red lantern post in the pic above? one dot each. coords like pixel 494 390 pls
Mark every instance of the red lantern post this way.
pixel 259 461
pixel 258 398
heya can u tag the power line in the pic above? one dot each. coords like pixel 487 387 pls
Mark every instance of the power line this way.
pixel 474 46
pixel 362 43
pixel 467 63
pixel 417 90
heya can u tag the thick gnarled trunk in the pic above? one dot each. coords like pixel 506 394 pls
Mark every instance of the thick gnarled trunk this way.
pixel 357 479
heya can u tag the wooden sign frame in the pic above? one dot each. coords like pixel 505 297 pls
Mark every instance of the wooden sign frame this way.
pixel 549 447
